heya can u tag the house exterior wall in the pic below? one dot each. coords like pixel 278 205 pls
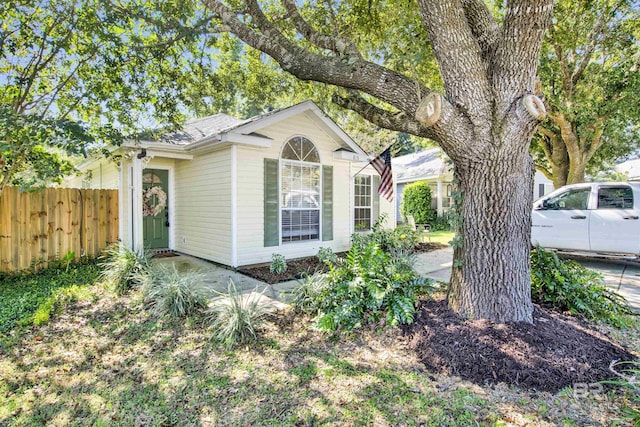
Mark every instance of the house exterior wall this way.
pixel 103 175
pixel 250 193
pixel 202 200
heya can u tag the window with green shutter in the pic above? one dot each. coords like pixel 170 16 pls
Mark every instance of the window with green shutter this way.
pixel 271 208
pixel 327 203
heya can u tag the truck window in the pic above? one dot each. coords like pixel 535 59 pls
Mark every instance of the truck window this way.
pixel 615 198
pixel 572 199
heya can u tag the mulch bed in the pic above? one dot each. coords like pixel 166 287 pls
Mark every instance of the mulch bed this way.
pixel 557 351
pixel 297 268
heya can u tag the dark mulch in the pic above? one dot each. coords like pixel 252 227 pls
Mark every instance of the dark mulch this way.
pixel 297 268
pixel 555 352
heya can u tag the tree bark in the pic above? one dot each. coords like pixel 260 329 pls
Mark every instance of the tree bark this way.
pixel 496 210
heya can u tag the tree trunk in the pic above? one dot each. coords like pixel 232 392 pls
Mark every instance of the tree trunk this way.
pixel 496 211
pixel 577 170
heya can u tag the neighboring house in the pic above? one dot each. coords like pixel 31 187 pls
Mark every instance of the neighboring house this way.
pixel 434 167
pixel 235 191
pixel 631 168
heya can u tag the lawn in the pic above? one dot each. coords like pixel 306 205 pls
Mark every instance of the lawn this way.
pixel 443 237
pixel 103 359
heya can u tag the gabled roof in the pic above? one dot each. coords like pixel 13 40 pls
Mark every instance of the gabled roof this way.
pixel 223 128
pixel 425 164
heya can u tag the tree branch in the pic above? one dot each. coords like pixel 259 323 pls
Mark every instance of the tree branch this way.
pixel 398 122
pixel 516 61
pixel 335 44
pixel 389 86
pixel 483 26
pixel 588 53
pixel 459 57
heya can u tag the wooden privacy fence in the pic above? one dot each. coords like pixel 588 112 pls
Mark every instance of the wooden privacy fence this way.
pixel 38 227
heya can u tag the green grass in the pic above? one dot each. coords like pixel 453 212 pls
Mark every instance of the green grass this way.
pixel 29 298
pixel 112 362
pixel 443 237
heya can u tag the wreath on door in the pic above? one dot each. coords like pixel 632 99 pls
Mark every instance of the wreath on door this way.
pixel 148 206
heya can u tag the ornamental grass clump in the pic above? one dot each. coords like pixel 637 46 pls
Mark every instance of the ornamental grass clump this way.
pixel 307 296
pixel 569 286
pixel 172 293
pixel 121 265
pixel 235 317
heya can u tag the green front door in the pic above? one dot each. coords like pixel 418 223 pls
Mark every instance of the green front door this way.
pixel 155 208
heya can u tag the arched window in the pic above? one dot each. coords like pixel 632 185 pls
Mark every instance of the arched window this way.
pixel 300 190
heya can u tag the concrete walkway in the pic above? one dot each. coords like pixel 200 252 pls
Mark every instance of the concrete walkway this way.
pixel 620 275
pixel 217 277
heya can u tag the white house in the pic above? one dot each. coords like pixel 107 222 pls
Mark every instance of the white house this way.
pixel 235 191
pixel 435 168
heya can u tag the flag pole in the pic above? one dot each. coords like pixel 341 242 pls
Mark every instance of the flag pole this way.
pixel 374 157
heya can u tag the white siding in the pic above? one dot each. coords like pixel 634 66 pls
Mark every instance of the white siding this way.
pixel 100 175
pixel 202 218
pixel 250 169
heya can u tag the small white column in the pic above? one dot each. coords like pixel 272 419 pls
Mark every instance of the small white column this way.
pixel 440 210
pixel 136 205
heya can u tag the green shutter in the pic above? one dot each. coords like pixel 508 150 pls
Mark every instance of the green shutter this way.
pixel 375 198
pixel 271 211
pixel 327 203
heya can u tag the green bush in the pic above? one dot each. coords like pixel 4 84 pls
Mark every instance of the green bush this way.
pixel 121 265
pixel 278 264
pixel 367 285
pixel 441 223
pixel 170 292
pixel 326 255
pixel 235 317
pixel 568 286
pixel 399 238
pixel 27 293
pixel 416 201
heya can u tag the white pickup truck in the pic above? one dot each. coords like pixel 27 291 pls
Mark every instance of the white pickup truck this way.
pixel 590 217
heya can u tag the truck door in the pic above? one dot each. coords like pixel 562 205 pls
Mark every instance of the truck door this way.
pixel 614 224
pixel 562 221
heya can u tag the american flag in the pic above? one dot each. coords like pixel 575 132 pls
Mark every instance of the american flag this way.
pixel 382 164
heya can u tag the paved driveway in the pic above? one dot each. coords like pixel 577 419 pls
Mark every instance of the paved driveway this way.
pixel 622 276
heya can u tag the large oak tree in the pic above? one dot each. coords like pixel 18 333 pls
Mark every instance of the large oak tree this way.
pixel 591 83
pixel 483 117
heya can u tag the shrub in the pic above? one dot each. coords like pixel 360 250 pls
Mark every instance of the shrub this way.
pixel 416 201
pixel 367 285
pixel 326 255
pixel 235 317
pixel 170 292
pixel 278 264
pixel 568 286
pixel 402 237
pixel 120 265
pixel 441 223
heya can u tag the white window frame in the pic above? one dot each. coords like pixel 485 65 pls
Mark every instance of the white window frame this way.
pixel 300 163
pixel 356 206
